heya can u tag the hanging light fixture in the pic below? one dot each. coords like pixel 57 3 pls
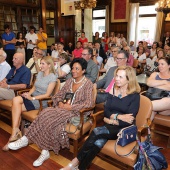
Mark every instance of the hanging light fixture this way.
pixel 82 4
pixel 163 6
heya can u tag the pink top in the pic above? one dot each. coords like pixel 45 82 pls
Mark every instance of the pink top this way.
pixel 130 60
pixel 77 52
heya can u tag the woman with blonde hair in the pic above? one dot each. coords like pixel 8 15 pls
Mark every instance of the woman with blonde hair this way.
pixel 43 87
pixel 120 110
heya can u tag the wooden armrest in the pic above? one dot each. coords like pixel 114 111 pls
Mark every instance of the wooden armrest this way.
pixel 50 103
pixel 87 109
pixel 40 102
pixel 19 92
pixel 143 131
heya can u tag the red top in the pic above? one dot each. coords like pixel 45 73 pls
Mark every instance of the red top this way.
pixel 83 40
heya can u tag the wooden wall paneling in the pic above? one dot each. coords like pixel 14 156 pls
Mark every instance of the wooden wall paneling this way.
pixel 22 2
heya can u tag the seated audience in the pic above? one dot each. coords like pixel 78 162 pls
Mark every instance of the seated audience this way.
pixel 77 51
pixel 92 69
pixel 130 58
pixel 90 45
pixel 141 56
pixel 154 63
pixel 167 50
pixel 101 52
pixel 118 40
pixel 48 129
pixel 34 62
pixel 62 67
pixel 111 62
pixel 153 49
pixel 55 52
pixel 140 44
pixel 122 38
pixel 49 50
pixel 132 47
pixel 97 59
pixel 85 44
pixel 4 66
pixel 104 83
pixel 111 41
pixel 43 87
pixel 18 78
pixel 69 49
pixel 161 80
pixel 120 111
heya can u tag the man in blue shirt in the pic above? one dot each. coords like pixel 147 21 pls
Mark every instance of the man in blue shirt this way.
pixel 8 40
pixel 18 78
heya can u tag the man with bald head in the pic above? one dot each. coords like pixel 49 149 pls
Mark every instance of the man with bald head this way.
pixel 4 66
pixel 18 78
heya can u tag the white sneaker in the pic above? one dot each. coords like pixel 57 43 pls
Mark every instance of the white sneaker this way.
pixel 22 142
pixel 44 156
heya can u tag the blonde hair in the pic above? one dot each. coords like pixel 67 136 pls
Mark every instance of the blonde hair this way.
pixel 49 61
pixel 133 85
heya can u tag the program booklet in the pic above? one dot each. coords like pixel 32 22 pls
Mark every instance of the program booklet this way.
pixel 68 99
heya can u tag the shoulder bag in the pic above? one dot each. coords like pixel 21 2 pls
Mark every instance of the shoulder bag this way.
pixel 125 136
pixel 155 94
pixel 150 158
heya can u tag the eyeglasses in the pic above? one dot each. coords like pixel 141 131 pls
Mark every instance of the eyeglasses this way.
pixel 120 58
pixel 114 51
pixel 84 54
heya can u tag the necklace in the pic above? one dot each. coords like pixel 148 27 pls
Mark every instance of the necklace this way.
pixel 78 81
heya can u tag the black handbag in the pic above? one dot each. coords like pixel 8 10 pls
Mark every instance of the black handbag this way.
pixel 155 94
pixel 150 158
pixel 125 136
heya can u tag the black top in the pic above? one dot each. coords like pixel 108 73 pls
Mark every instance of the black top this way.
pixel 125 105
pixel 19 43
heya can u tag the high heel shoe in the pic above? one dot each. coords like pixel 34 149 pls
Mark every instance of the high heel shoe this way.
pixel 15 137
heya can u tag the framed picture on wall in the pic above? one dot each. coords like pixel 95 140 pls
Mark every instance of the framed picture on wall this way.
pixel 120 11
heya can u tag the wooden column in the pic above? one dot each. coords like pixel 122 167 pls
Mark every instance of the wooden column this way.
pixel 43 10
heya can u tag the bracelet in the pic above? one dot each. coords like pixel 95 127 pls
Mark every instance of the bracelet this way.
pixel 115 116
pixel 8 87
pixel 33 98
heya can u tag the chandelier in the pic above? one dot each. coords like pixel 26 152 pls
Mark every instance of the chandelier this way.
pixel 82 4
pixel 163 6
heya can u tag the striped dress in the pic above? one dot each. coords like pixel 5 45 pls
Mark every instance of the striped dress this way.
pixel 48 129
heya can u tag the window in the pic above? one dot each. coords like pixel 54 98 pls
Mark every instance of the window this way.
pixel 146 23
pixel 99 21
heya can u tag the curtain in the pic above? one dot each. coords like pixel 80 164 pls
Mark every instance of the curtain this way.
pixel 158 26
pixel 133 23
